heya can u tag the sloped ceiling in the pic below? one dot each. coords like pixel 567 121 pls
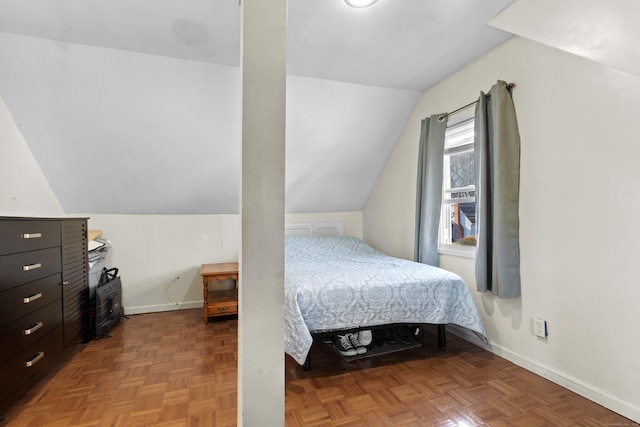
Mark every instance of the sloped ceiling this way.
pixel 133 107
pixel 604 32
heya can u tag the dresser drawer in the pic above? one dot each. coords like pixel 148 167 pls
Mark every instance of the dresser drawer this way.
pixel 28 235
pixel 25 267
pixel 26 365
pixel 25 331
pixel 24 299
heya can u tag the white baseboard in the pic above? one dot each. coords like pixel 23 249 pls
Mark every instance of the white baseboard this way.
pixel 141 309
pixel 626 409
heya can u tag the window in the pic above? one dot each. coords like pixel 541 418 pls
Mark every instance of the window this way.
pixel 458 220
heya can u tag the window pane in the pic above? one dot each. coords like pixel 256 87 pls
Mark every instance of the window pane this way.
pixel 462 171
pixel 463 223
pixel 458 221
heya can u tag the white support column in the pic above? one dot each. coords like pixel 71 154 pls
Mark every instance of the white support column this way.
pixel 261 290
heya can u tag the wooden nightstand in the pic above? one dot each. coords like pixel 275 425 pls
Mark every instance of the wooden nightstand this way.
pixel 223 302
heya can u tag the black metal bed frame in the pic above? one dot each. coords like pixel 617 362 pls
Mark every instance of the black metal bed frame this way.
pixel 306 367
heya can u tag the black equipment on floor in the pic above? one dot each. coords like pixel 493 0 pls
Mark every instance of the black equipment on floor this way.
pixel 108 303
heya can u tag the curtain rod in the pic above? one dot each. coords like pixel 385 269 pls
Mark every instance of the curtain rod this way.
pixel 464 107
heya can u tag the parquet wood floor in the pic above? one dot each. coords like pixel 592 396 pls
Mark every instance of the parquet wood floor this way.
pixel 171 369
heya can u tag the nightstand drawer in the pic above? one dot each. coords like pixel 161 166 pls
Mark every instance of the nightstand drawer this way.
pixel 222 309
pixel 25 267
pixel 25 331
pixel 25 235
pixel 24 299
pixel 221 303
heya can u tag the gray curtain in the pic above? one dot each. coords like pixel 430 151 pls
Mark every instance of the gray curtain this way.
pixel 497 162
pixel 429 189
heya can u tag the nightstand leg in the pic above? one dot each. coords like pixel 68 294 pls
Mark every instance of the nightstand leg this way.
pixel 205 307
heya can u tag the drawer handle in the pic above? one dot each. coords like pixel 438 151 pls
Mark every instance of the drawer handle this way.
pixel 35 360
pixel 31 266
pixel 223 308
pixel 31 235
pixel 32 298
pixel 33 328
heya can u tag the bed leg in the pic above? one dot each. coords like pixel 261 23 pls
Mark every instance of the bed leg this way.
pixel 442 338
pixel 307 363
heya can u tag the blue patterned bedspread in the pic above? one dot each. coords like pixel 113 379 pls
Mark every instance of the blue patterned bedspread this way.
pixel 341 282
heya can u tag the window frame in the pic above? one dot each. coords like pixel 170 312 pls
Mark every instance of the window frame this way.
pixel 445 221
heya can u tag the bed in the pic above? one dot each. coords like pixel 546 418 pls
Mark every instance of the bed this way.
pixel 335 283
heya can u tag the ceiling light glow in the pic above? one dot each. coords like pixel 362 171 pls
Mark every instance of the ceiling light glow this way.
pixel 360 3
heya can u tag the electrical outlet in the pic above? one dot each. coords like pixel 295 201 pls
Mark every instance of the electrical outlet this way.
pixel 540 328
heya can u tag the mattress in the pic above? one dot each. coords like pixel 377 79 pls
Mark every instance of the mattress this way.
pixel 334 283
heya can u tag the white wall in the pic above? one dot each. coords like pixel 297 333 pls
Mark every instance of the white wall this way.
pixel 24 190
pixel 579 239
pixel 151 251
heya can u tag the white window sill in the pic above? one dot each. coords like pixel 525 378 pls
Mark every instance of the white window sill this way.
pixel 458 250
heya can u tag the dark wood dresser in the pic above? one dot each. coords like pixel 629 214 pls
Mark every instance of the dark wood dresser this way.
pixel 44 297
